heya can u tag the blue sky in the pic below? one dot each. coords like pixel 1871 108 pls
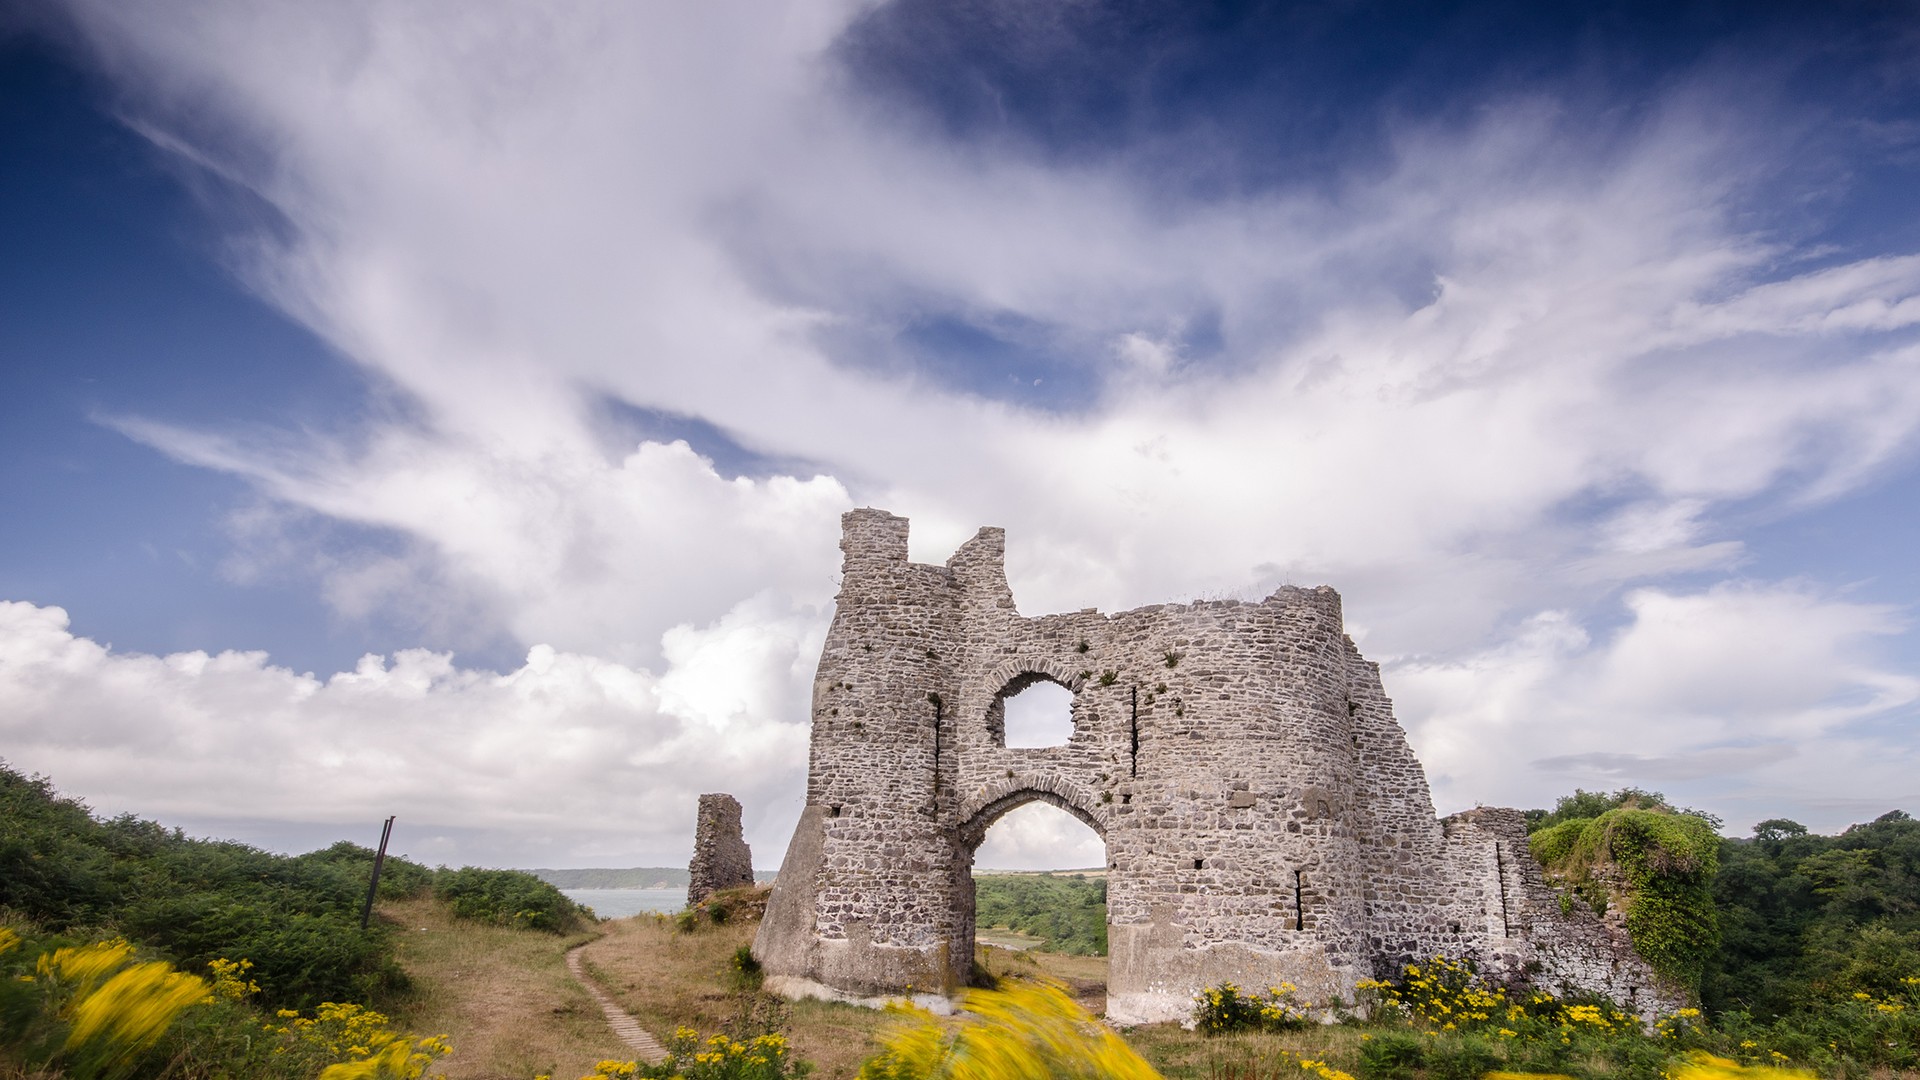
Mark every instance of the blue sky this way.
pixel 534 356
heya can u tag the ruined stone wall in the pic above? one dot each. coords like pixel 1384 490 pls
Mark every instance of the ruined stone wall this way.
pixel 1529 935
pixel 1263 815
pixel 721 858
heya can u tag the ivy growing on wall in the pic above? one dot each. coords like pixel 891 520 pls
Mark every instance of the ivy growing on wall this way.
pixel 1658 864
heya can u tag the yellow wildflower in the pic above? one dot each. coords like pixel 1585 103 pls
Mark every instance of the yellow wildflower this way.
pixel 1021 1029
pixel 133 1007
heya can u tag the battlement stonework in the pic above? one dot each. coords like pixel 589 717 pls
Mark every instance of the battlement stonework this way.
pixel 1264 817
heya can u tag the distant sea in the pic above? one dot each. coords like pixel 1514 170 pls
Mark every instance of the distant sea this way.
pixel 620 903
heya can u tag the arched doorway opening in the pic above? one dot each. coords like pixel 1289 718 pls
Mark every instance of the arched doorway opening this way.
pixel 1039 887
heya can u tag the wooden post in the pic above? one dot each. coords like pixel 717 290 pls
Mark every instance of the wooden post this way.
pixel 380 856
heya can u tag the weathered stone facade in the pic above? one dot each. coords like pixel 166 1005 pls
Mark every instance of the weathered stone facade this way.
pixel 721 858
pixel 1264 817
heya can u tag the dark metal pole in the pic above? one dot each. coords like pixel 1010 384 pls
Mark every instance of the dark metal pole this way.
pixel 366 911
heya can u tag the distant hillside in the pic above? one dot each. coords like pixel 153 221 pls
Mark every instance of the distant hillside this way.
pixel 635 877
pixel 1068 910
pixel 1088 872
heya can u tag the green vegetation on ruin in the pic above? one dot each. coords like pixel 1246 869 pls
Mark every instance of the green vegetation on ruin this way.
pixel 1783 928
pixel 1657 861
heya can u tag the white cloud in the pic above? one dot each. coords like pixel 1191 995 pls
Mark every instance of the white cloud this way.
pixel 509 218
pixel 1735 698
pixel 1038 836
pixel 569 759
pixel 564 547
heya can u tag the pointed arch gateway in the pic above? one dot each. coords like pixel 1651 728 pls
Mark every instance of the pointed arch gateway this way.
pixel 1083 977
pixel 998 800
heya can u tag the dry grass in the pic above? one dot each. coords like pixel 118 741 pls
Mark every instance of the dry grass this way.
pixel 1002 938
pixel 512 1010
pixel 1180 1054
pixel 1085 977
pixel 669 978
pixel 503 996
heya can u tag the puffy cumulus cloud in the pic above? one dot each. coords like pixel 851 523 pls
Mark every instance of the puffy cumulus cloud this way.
pixel 1738 698
pixel 1524 361
pixel 569 759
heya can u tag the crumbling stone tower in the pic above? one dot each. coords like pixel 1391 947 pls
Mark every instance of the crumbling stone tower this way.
pixel 1264 817
pixel 721 858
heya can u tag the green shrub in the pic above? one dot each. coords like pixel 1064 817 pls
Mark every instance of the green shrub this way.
pixel 1465 1058
pixel 193 900
pixel 1640 1059
pixel 1226 1008
pixel 1391 1055
pixel 1068 911
pixel 400 878
pixel 1666 863
pixel 507 897
pixel 1551 845
pixel 744 973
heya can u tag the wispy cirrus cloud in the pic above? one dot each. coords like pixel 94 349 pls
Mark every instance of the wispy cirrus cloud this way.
pixel 1514 365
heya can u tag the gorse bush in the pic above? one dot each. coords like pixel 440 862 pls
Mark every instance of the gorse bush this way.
pixel 103 1011
pixel 400 879
pixel 718 1057
pixel 90 1010
pixel 1226 1007
pixel 1025 1029
pixel 509 898
pixel 296 919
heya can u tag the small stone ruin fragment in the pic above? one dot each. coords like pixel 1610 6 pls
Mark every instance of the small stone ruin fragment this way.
pixel 721 858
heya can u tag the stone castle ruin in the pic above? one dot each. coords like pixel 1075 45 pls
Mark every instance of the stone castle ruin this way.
pixel 721 858
pixel 1263 815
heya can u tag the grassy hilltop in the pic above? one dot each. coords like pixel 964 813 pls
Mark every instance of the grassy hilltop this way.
pixel 129 951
